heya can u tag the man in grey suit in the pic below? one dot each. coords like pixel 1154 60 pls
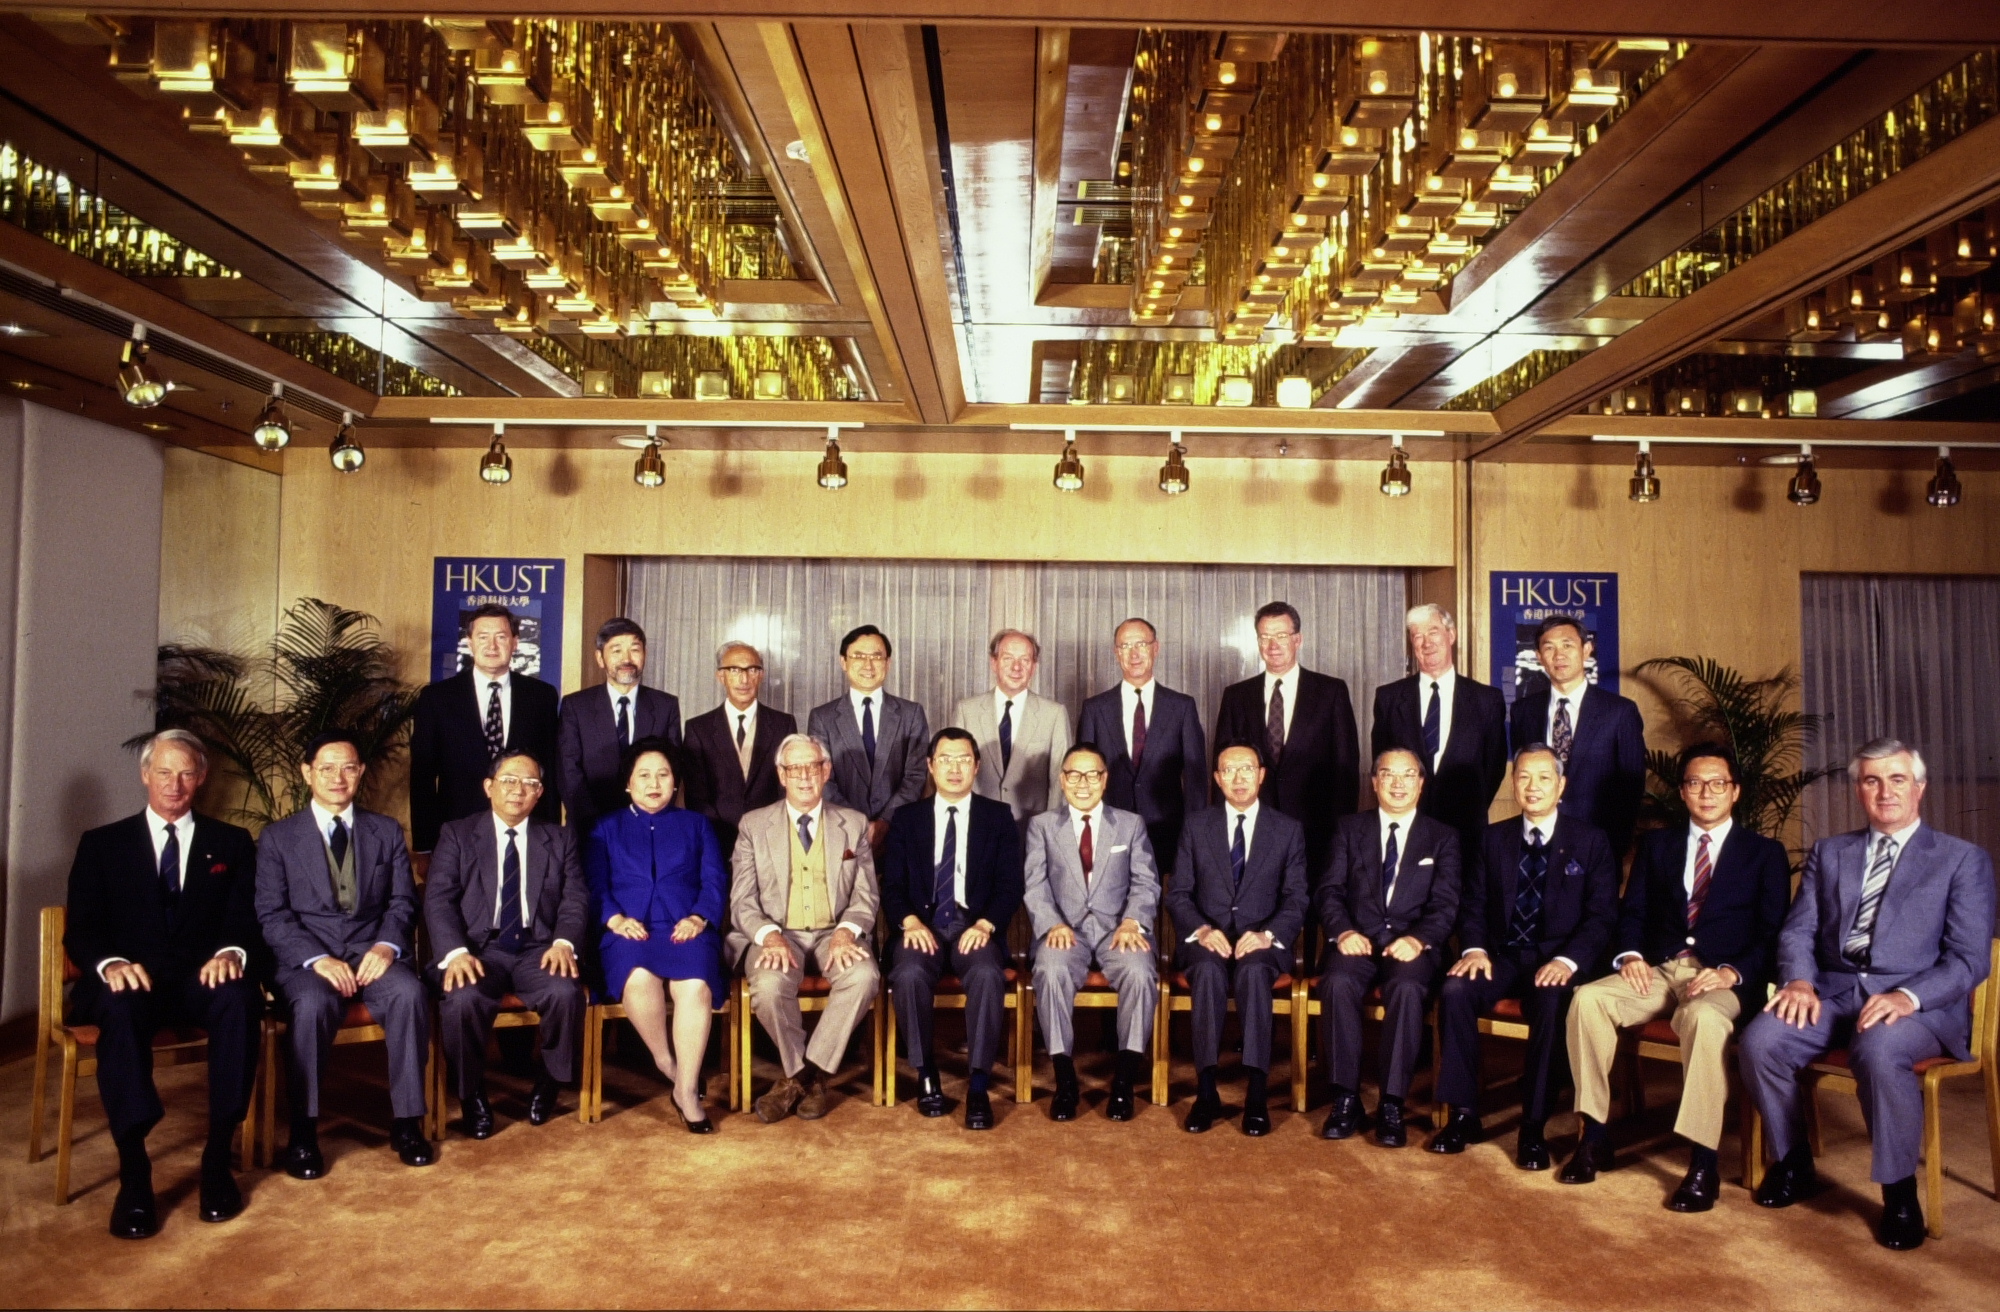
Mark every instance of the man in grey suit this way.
pixel 1152 740
pixel 337 904
pixel 1888 936
pixel 804 887
pixel 1092 889
pixel 1238 899
pixel 1022 736
pixel 879 743
pixel 506 906
pixel 595 725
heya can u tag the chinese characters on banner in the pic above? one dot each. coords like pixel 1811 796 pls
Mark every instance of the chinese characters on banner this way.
pixel 532 589
pixel 1523 599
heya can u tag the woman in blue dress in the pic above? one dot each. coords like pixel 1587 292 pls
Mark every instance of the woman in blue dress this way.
pixel 659 888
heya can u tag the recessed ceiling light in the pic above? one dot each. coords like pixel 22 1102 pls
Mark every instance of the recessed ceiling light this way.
pixel 1781 458
pixel 637 441
pixel 29 385
pixel 159 426
pixel 17 330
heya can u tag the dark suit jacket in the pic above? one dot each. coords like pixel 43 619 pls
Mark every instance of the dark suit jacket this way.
pixel 118 907
pixel 1318 779
pixel 448 756
pixel 587 747
pixel 1740 918
pixel 462 887
pixel 1459 788
pixel 1202 889
pixel 716 788
pixel 1607 759
pixel 993 864
pixel 1171 777
pixel 295 898
pixel 1579 896
pixel 1428 879
pixel 902 746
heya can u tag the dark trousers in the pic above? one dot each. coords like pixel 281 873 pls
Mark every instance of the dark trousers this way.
pixel 1342 991
pixel 465 1015
pixel 397 1002
pixel 983 974
pixel 1213 980
pixel 128 1021
pixel 1465 1000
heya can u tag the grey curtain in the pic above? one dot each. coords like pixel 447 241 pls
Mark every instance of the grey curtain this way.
pixel 940 615
pixel 1912 658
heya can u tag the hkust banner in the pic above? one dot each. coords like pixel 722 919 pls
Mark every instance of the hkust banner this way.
pixel 531 589
pixel 1523 599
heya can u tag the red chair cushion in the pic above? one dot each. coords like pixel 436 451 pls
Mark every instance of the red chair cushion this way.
pixel 1178 979
pixel 1506 1009
pixel 953 984
pixel 1095 980
pixel 512 1002
pixel 815 986
pixel 356 1015
pixel 1658 1031
pixel 1839 1057
pixel 70 972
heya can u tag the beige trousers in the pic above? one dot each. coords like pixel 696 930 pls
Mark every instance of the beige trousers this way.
pixel 1604 1006
pixel 774 999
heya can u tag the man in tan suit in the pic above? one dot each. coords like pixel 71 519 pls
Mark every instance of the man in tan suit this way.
pixel 1022 737
pixel 804 887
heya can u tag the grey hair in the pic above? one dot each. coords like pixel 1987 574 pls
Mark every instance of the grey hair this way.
pixel 736 644
pixel 1878 748
pixel 1430 610
pixel 792 740
pixel 179 738
pixel 993 647
pixel 1544 749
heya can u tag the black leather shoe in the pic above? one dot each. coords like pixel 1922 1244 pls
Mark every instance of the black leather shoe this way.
pixel 1120 1107
pixel 1343 1119
pixel 1069 1097
pixel 1902 1225
pixel 1201 1117
pixel 1256 1119
pixel 545 1103
pixel 478 1119
pixel 978 1110
pixel 930 1097
pixel 1699 1190
pixel 1463 1128
pixel 1785 1184
pixel 221 1200
pixel 407 1137
pixel 1532 1154
pixel 134 1215
pixel 302 1160
pixel 1588 1159
pixel 1389 1130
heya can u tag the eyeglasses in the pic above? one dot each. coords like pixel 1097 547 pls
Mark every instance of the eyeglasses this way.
pixel 352 770
pixel 1142 645
pixel 1708 787
pixel 860 658
pixel 1407 776
pixel 1082 776
pixel 740 671
pixel 954 758
pixel 1239 771
pixel 517 781
pixel 800 771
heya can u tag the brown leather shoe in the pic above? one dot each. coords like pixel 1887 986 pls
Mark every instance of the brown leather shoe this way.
pixel 812 1105
pixel 778 1103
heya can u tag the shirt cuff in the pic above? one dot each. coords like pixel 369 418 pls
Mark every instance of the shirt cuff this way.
pixel 1618 962
pixel 1192 937
pixel 565 943
pixel 1915 1001
pixel 109 962
pixel 763 933
pixel 452 956
pixel 383 943
pixel 307 964
pixel 1567 962
pixel 1469 951
pixel 851 928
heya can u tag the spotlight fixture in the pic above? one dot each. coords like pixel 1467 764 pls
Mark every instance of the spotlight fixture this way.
pixel 1174 477
pixel 1069 469
pixel 1804 489
pixel 651 471
pixel 273 431
pixel 1645 482
pixel 496 466
pixel 832 469
pixel 141 387
pixel 345 452
pixel 1396 478
pixel 1943 490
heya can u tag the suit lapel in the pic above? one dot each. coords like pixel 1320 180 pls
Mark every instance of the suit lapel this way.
pixel 537 863
pixel 1677 855
pixel 763 745
pixel 1461 718
pixel 1850 869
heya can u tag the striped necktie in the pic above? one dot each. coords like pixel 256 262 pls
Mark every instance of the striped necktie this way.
pixel 1862 937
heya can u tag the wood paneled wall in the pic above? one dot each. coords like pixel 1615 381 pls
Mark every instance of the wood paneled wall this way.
pixel 218 552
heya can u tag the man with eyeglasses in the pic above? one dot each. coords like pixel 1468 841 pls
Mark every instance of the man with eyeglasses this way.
pixel 337 904
pixel 1696 934
pixel 732 749
pixel 599 723
pixel 1022 735
pixel 1597 734
pixel 1091 891
pixel 878 741
pixel 505 904
pixel 1152 739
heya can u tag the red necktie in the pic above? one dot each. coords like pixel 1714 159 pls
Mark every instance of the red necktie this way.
pixel 1086 850
pixel 1704 870
pixel 1138 728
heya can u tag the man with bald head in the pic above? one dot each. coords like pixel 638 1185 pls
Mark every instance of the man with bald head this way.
pixel 733 749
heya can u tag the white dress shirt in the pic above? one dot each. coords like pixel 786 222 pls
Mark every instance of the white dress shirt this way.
pixel 482 692
pixel 1131 698
pixel 1289 681
pixel 1402 823
pixel 745 718
pixel 325 818
pixel 1447 687
pixel 854 699
pixel 1716 837
pixel 818 830
pixel 964 808
pixel 156 828
pixel 614 692
pixel 1547 830
pixel 500 877
pixel 1557 696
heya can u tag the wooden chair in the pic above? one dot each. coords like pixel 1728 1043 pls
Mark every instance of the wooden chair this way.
pixel 813 993
pixel 1835 1070
pixel 1504 1021
pixel 171 1047
pixel 1097 993
pixel 513 1014
pixel 1656 1041
pixel 590 1099
pixel 950 996
pixel 357 1025
pixel 1309 1006
pixel 1287 1000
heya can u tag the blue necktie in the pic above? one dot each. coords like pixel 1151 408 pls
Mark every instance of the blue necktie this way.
pixel 1433 724
pixel 624 723
pixel 170 863
pixel 868 729
pixel 1526 926
pixel 1237 853
pixel 1390 857
pixel 944 887
pixel 509 920
pixel 1006 737
pixel 806 832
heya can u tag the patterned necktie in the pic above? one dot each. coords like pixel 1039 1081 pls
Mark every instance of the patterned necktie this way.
pixel 944 885
pixel 496 733
pixel 337 842
pixel 1274 722
pixel 743 744
pixel 1704 871
pixel 507 917
pixel 624 723
pixel 1238 853
pixel 1006 736
pixel 1390 858
pixel 1526 925
pixel 742 718
pixel 1138 726
pixel 1862 937
pixel 1433 728
pixel 1086 851
pixel 170 863
pixel 868 729
pixel 806 832
pixel 1561 734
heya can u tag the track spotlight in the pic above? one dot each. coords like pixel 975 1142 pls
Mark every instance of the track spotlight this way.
pixel 832 469
pixel 345 452
pixel 1645 482
pixel 273 431
pixel 1396 478
pixel 651 471
pixel 1069 469
pixel 137 383
pixel 496 466
pixel 1174 474
pixel 1804 489
pixel 1944 489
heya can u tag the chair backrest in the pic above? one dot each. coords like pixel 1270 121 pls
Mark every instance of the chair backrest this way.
pixel 1986 1013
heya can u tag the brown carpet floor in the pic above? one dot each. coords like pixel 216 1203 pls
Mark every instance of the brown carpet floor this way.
pixel 880 1208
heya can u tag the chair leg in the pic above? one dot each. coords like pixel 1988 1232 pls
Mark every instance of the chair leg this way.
pixel 269 1137
pixel 1161 1047
pixel 65 1120
pixel 1440 1110
pixel 1753 1148
pixel 886 1063
pixel 1933 1159
pixel 586 1097
pixel 743 1036
pixel 1992 1077
pixel 1301 1044
pixel 41 1103
pixel 1024 1064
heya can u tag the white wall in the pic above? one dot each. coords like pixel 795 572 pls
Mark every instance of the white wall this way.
pixel 79 585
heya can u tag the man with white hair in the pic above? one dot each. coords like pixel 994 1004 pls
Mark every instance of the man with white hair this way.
pixel 1890 933
pixel 733 749
pixel 1456 726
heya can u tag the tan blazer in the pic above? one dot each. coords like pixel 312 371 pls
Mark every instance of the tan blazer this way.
pixel 1033 781
pixel 760 885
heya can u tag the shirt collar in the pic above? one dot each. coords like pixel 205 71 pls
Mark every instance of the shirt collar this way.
pixel 1446 682
pixel 1900 837
pixel 500 828
pixel 1716 836
pixel 730 712
pixel 1142 690
pixel 483 681
pixel 325 817
pixel 1384 820
pixel 940 802
pixel 1000 700
pixel 854 696
pixel 1548 828
pixel 614 692
pixel 1095 815
pixel 155 822
pixel 1289 679
pixel 815 813
pixel 1249 813
pixel 1575 696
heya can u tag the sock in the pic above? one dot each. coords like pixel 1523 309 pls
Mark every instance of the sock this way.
pixel 1800 1159
pixel 927 1072
pixel 1065 1068
pixel 135 1168
pixel 305 1129
pixel 1340 1091
pixel 1391 1100
pixel 1903 1192
pixel 1704 1157
pixel 1254 1094
pixel 1531 1131
pixel 408 1123
pixel 814 1076
pixel 1205 1082
pixel 1129 1065
pixel 1594 1131
pixel 978 1080
pixel 221 1143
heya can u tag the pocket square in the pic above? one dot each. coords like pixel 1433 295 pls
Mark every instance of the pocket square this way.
pixel 848 855
pixel 1428 861
pixel 1573 870
pixel 218 868
pixel 1121 847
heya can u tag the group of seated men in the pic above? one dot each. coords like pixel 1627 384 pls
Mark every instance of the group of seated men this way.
pixel 179 919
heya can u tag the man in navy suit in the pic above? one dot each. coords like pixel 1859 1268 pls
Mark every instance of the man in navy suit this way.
pixel 1456 726
pixel 877 740
pixel 1696 934
pixel 597 724
pixel 1890 933
pixel 1539 909
pixel 733 749
pixel 951 881
pixel 1598 735
pixel 1153 739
